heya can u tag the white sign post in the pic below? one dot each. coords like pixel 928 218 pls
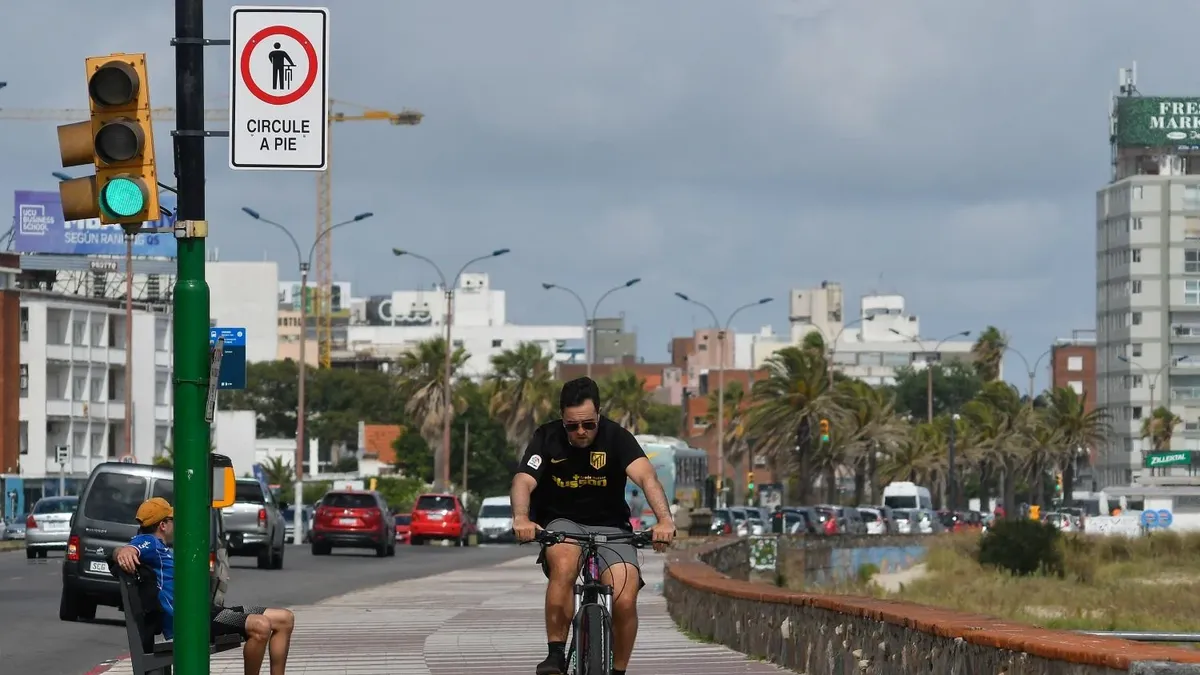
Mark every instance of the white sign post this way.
pixel 279 88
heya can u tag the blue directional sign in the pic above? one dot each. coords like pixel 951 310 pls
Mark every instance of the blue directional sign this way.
pixel 1149 519
pixel 1165 518
pixel 233 360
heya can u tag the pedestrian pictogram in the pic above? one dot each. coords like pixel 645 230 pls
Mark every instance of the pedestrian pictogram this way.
pixel 280 88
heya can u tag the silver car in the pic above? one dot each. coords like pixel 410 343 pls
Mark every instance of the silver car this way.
pixel 14 529
pixel 49 525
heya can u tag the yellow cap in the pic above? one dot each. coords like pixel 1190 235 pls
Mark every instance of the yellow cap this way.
pixel 153 511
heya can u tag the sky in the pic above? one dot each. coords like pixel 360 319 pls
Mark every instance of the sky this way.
pixel 947 151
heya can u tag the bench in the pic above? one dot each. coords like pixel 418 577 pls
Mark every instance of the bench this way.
pixel 142 622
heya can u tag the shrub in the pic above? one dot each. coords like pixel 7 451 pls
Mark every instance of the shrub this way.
pixel 1021 547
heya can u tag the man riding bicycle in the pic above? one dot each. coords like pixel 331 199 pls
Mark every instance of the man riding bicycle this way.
pixel 572 479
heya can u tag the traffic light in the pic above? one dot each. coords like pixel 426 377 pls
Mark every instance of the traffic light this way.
pixel 118 140
pixel 1058 482
pixel 824 431
pixel 750 480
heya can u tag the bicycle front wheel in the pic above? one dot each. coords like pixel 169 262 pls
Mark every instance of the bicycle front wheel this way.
pixel 594 641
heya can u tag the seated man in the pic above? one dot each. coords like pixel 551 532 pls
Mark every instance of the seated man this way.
pixel 260 627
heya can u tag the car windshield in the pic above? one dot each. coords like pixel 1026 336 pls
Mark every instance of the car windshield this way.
pixel 348 500
pixel 114 497
pixel 435 503
pixel 403 519
pixel 57 505
pixel 496 511
pixel 869 516
pixel 249 493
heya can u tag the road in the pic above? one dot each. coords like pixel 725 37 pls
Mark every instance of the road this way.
pixel 33 640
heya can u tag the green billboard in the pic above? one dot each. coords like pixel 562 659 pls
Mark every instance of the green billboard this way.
pixel 1168 458
pixel 1158 121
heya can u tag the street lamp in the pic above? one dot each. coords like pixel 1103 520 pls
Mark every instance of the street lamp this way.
pixel 1031 371
pixel 1153 380
pixel 928 365
pixel 721 382
pixel 301 403
pixel 589 320
pixel 441 463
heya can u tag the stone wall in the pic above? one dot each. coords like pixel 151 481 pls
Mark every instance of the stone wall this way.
pixel 819 634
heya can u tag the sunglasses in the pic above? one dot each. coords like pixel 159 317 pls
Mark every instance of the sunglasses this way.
pixel 589 425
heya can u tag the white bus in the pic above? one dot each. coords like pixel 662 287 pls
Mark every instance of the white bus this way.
pixel 905 495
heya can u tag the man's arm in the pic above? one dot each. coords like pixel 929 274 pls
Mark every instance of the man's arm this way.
pixel 529 473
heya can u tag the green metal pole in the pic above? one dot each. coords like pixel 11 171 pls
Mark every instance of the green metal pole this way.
pixel 193 472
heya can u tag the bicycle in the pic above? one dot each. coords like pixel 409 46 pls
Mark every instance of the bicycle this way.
pixel 590 651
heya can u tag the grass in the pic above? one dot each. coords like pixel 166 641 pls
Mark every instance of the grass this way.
pixel 1109 583
pixel 11 545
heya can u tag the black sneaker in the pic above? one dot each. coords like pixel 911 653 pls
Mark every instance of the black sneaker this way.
pixel 555 664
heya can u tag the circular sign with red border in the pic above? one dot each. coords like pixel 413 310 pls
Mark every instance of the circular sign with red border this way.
pixel 310 77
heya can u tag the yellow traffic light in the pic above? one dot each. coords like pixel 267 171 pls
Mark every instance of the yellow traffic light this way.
pixel 118 140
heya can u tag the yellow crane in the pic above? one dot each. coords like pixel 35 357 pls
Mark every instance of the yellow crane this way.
pixel 323 306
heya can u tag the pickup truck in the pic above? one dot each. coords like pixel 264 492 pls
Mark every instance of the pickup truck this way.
pixel 254 525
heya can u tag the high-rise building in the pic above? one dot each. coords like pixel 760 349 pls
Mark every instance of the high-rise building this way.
pixel 1148 277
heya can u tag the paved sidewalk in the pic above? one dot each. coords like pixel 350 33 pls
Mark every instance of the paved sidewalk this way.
pixel 486 621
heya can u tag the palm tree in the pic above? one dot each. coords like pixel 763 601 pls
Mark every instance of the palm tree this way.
pixel 874 431
pixel 793 396
pixel 521 391
pixel 1160 428
pixel 625 399
pixel 422 383
pixel 1081 431
pixel 278 471
pixel 988 352
pixel 734 424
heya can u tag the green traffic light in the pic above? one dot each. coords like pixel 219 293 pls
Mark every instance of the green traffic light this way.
pixel 122 198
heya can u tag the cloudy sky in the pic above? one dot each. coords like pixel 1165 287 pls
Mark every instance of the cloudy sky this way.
pixel 946 150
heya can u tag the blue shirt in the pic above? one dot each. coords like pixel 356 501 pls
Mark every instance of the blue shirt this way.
pixel 155 554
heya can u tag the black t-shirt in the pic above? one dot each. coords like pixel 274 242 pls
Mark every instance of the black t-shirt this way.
pixel 584 485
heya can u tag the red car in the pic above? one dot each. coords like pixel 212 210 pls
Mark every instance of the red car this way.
pixel 403 520
pixel 353 519
pixel 438 516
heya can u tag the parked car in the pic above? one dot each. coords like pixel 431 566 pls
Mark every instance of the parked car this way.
pixel 845 520
pixel 722 522
pixel 48 526
pixel 289 524
pixel 353 519
pixel 105 522
pixel 795 520
pixel 495 520
pixel 438 516
pixel 403 521
pixel 15 529
pixel 873 519
pixel 254 525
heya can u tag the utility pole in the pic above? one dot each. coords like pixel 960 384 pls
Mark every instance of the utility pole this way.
pixel 193 472
pixel 129 236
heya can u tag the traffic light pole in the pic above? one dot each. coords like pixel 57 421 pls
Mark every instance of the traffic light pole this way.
pixel 193 473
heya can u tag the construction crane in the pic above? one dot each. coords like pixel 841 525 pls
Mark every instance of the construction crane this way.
pixel 323 305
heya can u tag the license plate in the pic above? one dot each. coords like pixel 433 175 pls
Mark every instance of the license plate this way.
pixel 98 566
pixel 347 521
pixel 435 516
pixel 57 526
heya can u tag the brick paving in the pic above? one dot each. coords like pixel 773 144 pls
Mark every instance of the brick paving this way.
pixel 485 620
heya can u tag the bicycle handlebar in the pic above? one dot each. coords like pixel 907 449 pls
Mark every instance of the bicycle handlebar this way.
pixel 637 539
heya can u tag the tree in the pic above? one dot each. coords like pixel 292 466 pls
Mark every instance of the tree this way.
pixel 625 400
pixel 272 393
pixel 954 384
pixel 278 471
pixel 1082 431
pixel 521 391
pixel 988 352
pixel 664 419
pixel 422 383
pixel 1159 427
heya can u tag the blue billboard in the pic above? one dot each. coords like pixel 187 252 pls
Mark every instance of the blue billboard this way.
pixel 39 227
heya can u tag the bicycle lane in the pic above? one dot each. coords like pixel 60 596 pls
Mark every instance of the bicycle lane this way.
pixel 485 620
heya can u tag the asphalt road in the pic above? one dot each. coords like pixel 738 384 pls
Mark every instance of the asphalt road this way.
pixel 33 640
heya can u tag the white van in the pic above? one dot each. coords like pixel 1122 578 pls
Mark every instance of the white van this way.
pixel 905 495
pixel 495 520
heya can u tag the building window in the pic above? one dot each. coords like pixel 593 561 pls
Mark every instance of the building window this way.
pixel 1137 412
pixel 1074 363
pixel 1135 349
pixel 1191 261
pixel 1135 255
pixel 496 344
pixel 1137 381
pixel 24 324
pixel 24 380
pixel 1135 318
pixel 1135 223
pixel 79 334
pixel 1077 386
pixel 1135 286
pixel 1191 292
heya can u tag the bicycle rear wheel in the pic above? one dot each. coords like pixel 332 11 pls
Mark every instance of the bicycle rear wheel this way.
pixel 593 641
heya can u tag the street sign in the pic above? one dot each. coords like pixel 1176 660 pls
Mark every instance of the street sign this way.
pixel 279 88
pixel 232 373
pixel 1149 519
pixel 1164 518
pixel 62 454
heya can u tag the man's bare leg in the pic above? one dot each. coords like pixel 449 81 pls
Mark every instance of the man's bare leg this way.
pixel 563 561
pixel 623 578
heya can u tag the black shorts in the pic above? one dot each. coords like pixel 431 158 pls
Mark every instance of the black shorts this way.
pixel 232 620
pixel 608 554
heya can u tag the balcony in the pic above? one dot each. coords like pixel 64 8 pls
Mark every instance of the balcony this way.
pixel 1186 330
pixel 1185 393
